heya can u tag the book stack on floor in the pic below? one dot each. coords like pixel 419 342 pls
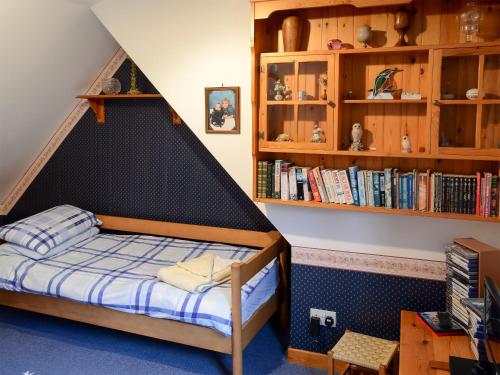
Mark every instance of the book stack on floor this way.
pixel 461 280
pixel 424 191
pixel 474 308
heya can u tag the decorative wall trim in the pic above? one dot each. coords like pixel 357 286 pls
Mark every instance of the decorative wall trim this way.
pixel 61 133
pixel 381 264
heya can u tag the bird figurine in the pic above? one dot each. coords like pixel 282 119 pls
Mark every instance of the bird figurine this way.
pixel 405 144
pixel 384 82
pixel 356 134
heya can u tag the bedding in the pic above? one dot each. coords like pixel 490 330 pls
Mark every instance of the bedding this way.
pixel 54 251
pixel 119 272
pixel 48 229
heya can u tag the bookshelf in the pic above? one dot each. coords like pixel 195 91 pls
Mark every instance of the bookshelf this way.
pixel 448 132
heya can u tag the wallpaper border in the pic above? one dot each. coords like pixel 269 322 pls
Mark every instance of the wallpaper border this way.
pixel 380 264
pixel 64 129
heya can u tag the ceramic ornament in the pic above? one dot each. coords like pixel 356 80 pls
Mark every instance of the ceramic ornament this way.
pixel 384 83
pixel 405 144
pixel 356 134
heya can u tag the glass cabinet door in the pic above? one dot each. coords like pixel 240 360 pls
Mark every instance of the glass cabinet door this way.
pixel 295 107
pixel 466 95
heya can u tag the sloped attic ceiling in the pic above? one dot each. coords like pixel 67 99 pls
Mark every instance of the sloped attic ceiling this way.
pixel 51 51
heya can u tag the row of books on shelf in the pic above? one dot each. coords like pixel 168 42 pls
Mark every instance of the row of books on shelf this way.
pixel 391 188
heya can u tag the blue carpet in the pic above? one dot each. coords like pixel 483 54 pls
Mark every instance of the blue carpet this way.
pixel 45 345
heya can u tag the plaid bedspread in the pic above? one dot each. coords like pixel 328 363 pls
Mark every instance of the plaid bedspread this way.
pixel 119 272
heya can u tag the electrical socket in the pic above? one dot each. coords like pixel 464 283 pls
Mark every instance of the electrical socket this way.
pixel 322 315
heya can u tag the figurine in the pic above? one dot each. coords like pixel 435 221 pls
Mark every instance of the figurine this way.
pixel 334 44
pixel 318 135
pixel 405 144
pixel 283 138
pixel 282 91
pixel 401 23
pixel 472 94
pixel 364 34
pixel 384 84
pixel 323 81
pixel 356 134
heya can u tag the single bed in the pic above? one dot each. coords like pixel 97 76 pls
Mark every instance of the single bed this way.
pixel 109 280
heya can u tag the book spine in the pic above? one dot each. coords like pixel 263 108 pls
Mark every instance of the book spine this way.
pixel 473 189
pixel 320 184
pixel 300 183
pixel 269 184
pixel 456 194
pixel 422 192
pixel 292 183
pixel 331 181
pixel 395 189
pixel 369 185
pixel 259 179
pixel 307 187
pixel 487 205
pixel 478 194
pixel 382 189
pixel 314 187
pixel 353 179
pixel 285 189
pixel 483 196
pixel 415 190
pixel 388 187
pixel 338 187
pixel 346 188
pixel 409 191
pixel 376 189
pixel 403 192
pixel 461 195
pixel 277 179
pixel 329 187
pixel 494 196
pixel 361 188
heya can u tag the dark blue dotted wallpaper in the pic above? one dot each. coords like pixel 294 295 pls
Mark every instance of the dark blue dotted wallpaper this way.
pixel 140 165
pixel 364 302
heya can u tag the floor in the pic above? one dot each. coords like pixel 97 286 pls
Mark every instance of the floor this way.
pixel 34 344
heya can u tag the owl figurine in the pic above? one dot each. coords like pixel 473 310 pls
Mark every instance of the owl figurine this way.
pixel 356 134
pixel 405 144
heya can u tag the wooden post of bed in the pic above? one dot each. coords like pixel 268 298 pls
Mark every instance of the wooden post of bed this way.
pixel 237 337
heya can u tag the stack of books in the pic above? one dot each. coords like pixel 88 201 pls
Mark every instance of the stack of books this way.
pixel 461 280
pixel 474 308
pixel 391 188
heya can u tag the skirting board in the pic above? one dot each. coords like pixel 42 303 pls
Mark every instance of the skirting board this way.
pixel 311 359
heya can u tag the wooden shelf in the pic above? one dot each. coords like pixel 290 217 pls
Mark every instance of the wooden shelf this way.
pixel 468 101
pixel 384 101
pixel 391 211
pixel 97 104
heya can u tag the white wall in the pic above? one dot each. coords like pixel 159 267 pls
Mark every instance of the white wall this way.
pixel 184 46
pixel 51 51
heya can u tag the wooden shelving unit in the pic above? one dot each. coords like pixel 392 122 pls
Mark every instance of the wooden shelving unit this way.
pixel 454 136
pixel 97 103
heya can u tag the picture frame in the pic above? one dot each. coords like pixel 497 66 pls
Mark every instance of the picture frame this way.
pixel 222 110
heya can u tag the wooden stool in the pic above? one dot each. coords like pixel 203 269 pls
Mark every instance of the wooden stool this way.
pixel 365 353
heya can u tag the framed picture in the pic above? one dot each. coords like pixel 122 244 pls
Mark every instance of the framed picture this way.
pixel 222 110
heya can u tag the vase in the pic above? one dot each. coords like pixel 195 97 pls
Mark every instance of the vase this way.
pixel 292 29
pixel 401 23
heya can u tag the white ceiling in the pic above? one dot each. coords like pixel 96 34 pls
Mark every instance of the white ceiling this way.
pixel 52 50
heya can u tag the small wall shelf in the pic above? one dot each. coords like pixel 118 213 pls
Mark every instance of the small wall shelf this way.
pixel 97 104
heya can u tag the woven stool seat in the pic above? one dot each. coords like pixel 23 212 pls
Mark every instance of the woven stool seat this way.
pixel 365 351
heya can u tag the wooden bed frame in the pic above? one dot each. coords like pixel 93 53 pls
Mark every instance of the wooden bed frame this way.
pixel 272 246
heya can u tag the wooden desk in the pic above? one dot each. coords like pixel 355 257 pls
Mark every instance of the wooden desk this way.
pixel 419 346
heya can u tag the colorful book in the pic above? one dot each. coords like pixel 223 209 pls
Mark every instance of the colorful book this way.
pixel 361 188
pixel 376 189
pixel 388 187
pixel 285 188
pixel 369 185
pixel 346 188
pixel 314 188
pixel 353 179
pixel 328 186
pixel 277 179
pixel 319 183
pixel 494 196
pixel 292 183
pixel 337 185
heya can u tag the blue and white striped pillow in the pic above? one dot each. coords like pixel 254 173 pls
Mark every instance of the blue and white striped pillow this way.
pixel 48 229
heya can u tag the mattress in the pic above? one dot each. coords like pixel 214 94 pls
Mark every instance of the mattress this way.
pixel 119 272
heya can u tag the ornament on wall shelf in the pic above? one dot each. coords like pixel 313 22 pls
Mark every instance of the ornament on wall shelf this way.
pixel 472 94
pixel 405 144
pixel 323 82
pixel 292 31
pixel 133 79
pixel 384 85
pixel 409 95
pixel 401 24
pixel 318 135
pixel 282 92
pixel 336 44
pixel 111 86
pixel 356 135
pixel 469 19
pixel 283 137
pixel 364 34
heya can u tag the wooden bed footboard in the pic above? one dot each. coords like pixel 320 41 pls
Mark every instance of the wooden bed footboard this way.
pixel 271 245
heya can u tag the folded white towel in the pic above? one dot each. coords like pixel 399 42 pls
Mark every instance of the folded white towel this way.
pixel 198 274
